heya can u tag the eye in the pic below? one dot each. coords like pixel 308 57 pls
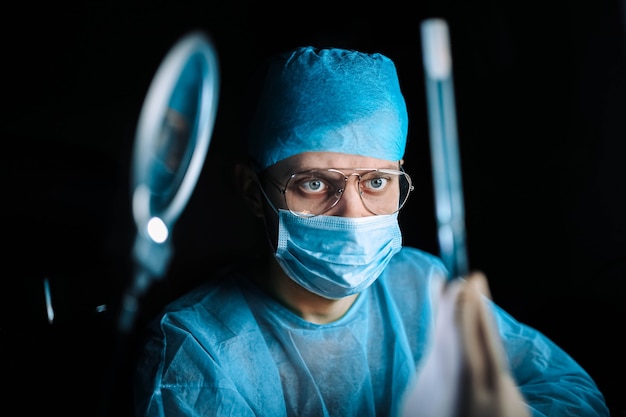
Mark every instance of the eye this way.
pixel 314 185
pixel 376 184
pixel 311 183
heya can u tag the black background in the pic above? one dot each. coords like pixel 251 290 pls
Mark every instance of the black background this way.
pixel 540 100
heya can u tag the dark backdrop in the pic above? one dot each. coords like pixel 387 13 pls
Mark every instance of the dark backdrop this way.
pixel 540 101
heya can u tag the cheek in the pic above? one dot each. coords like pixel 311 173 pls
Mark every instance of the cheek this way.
pixel 383 204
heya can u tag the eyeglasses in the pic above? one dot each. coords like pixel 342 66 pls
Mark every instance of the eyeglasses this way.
pixel 314 192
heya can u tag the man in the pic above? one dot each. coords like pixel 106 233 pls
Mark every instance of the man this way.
pixel 339 318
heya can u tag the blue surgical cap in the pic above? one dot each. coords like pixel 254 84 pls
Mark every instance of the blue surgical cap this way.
pixel 329 100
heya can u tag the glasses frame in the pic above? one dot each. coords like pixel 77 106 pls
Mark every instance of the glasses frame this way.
pixel 359 173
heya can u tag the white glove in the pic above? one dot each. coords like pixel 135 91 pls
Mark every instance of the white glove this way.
pixel 465 374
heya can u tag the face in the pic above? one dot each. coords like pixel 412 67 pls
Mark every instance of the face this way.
pixel 377 193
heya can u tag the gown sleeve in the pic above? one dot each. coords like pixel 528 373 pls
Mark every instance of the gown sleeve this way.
pixel 180 378
pixel 197 363
pixel 550 380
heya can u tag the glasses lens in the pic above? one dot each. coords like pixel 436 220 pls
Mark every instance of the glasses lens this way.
pixel 385 191
pixel 314 192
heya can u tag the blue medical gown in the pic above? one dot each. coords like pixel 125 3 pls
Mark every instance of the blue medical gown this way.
pixel 228 349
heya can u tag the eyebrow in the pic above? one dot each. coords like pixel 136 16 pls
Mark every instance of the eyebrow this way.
pixel 291 169
pixel 344 170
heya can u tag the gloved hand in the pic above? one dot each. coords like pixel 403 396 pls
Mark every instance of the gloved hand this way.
pixel 465 374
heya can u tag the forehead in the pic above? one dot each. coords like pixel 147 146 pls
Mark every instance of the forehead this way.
pixel 310 160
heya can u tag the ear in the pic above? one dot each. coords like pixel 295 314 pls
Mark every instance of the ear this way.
pixel 249 187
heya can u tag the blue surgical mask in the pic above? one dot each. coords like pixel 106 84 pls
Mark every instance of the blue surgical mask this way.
pixel 333 256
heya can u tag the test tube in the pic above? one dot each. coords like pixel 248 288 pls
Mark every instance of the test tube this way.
pixel 444 148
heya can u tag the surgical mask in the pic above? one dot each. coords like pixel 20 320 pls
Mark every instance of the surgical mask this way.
pixel 333 256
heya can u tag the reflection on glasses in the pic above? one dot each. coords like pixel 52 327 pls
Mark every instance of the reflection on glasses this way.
pixel 314 192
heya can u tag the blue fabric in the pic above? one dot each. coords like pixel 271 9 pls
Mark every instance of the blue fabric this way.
pixel 331 100
pixel 335 256
pixel 229 350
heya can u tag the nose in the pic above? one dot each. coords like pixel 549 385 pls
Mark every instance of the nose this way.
pixel 350 204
